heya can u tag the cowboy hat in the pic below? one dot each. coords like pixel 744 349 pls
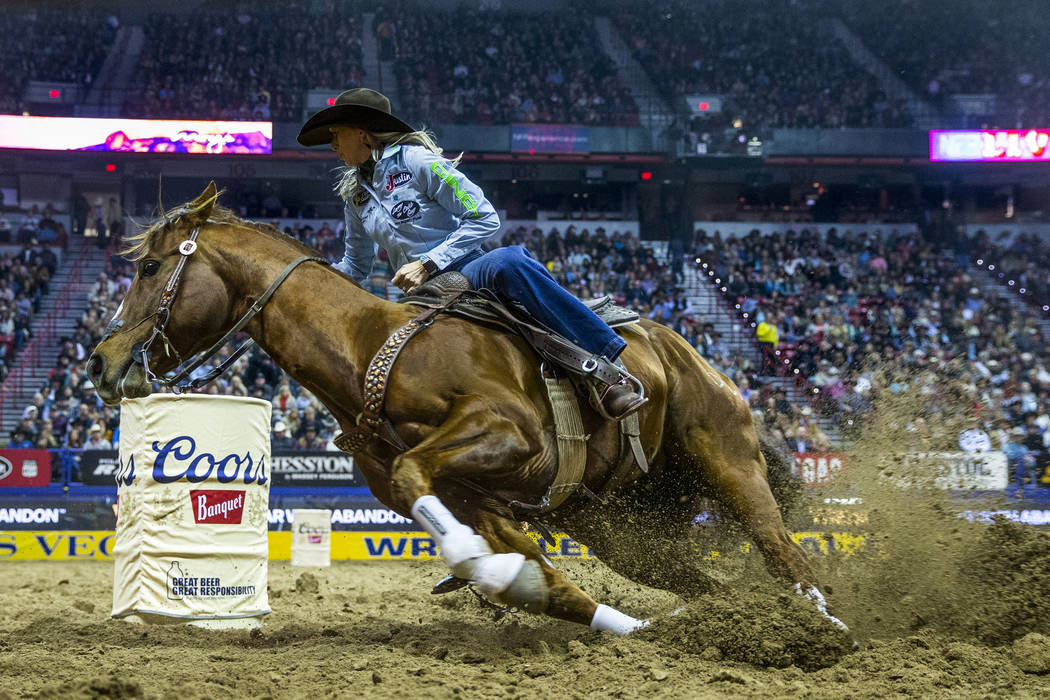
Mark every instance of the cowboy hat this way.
pixel 360 107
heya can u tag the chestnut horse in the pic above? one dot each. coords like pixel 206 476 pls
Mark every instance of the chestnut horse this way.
pixel 471 405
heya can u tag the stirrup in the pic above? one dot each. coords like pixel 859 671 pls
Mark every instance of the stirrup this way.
pixel 596 398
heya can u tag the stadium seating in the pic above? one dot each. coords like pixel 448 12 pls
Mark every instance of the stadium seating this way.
pixel 515 67
pixel 774 61
pixel 974 51
pixel 254 63
pixel 777 64
pixel 50 45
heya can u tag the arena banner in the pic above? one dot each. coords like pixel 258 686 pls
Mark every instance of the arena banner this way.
pixel 56 545
pixel 54 514
pixel 135 135
pixel 99 467
pixel 959 471
pixel 817 468
pixel 841 543
pixel 549 138
pixel 416 546
pixel 314 468
pixel 360 515
pixel 998 145
pixel 352 546
pixel 1027 516
pixel 25 468
pixel 286 468
pixel 193 492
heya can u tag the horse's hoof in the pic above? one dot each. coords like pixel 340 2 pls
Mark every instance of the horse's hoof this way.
pixel 813 593
pixel 448 584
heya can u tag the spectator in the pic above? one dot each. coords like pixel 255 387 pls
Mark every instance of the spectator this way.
pixel 20 440
pixel 46 440
pixel 281 440
pixel 1020 461
pixel 284 401
pixel 96 439
pixel 311 440
pixel 768 339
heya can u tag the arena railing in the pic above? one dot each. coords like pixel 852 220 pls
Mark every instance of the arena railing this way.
pixel 744 331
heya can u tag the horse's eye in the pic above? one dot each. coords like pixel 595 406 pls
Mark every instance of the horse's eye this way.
pixel 149 268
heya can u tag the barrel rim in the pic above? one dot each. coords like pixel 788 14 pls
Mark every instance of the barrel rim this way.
pixel 161 398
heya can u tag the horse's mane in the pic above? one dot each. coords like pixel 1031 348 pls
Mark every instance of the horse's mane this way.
pixel 140 243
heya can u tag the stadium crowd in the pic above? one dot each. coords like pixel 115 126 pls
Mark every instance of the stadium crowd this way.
pixel 257 62
pixel 803 79
pixel 51 45
pixel 254 63
pixel 516 67
pixel 1022 262
pixel 873 315
pixel 67 412
pixel 976 50
pixel 24 281
pixel 549 67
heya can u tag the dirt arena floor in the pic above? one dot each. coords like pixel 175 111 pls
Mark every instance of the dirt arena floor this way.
pixel 939 607
pixel 372 628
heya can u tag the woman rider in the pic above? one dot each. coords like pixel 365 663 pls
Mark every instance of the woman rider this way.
pixel 401 194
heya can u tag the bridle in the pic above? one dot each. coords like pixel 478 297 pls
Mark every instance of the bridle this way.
pixel 161 317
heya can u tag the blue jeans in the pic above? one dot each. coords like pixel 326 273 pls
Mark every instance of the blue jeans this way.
pixel 514 275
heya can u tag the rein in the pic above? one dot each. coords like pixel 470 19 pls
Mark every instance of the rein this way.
pixel 162 316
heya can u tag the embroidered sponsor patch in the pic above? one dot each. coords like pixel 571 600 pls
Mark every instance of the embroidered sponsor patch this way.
pixel 405 210
pixel 397 179
pixel 360 197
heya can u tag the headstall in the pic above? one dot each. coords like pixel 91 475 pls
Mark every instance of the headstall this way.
pixel 161 317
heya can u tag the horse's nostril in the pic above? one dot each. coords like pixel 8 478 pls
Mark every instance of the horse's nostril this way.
pixel 94 368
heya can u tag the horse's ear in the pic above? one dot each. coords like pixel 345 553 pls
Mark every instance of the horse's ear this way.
pixel 204 203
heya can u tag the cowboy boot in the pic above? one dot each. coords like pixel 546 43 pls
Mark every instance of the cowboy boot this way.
pixel 622 398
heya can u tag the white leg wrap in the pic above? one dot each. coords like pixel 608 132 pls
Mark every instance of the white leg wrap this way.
pixel 469 556
pixel 460 547
pixel 612 620
pixel 495 573
pixel 814 594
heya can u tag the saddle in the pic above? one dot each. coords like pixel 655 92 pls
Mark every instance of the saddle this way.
pixel 451 292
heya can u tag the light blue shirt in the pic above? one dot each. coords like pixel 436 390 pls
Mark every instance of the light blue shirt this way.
pixel 416 204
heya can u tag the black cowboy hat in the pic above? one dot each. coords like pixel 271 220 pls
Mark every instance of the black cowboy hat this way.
pixel 366 109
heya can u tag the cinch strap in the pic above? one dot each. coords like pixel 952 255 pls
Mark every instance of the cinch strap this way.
pixel 377 378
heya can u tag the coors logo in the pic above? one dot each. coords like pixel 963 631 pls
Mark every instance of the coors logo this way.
pixel 217 506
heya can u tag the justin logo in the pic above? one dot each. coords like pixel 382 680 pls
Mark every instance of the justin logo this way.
pixel 397 179
pixel 214 506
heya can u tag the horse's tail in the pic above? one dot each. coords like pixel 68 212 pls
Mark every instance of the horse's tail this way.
pixel 783 480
